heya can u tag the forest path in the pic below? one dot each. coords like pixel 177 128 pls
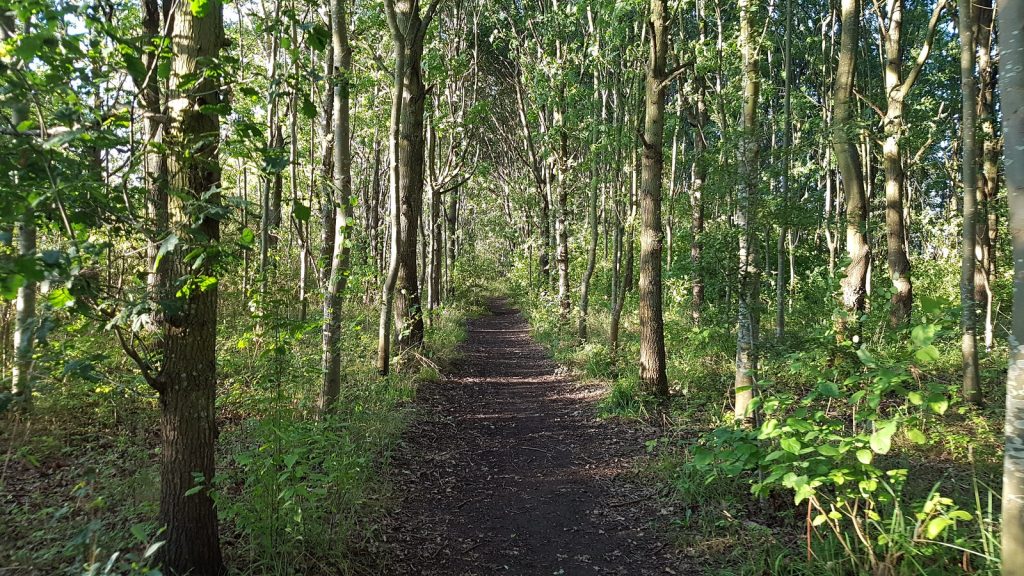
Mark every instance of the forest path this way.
pixel 507 470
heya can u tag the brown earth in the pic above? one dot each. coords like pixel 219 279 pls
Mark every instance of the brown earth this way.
pixel 508 470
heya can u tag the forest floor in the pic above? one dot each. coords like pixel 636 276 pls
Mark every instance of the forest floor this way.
pixel 507 469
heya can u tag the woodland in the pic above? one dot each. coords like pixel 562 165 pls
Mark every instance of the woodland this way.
pixel 531 287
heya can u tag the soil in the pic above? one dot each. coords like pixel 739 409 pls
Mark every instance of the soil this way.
pixel 508 470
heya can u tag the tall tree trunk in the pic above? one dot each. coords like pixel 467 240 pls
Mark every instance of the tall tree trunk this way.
pixel 187 381
pixel 1011 92
pixel 698 173
pixel 588 273
pixel 25 304
pixel 452 221
pixel 342 185
pixel 968 89
pixel 896 88
pixel 746 197
pixel 787 144
pixel 652 323
pixel 397 97
pixel 854 284
pixel 988 217
pixel 408 310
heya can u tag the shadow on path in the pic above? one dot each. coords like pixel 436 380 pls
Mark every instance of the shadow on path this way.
pixel 507 470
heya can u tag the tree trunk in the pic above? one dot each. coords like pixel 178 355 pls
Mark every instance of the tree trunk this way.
pixel 746 197
pixel 971 386
pixel 342 185
pixel 854 285
pixel 452 221
pixel 187 381
pixel 787 144
pixel 1011 92
pixel 988 217
pixel 588 273
pixel 388 290
pixel 408 311
pixel 652 324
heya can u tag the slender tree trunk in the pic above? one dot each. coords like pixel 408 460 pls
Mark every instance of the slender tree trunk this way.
pixel 25 321
pixel 787 144
pixel 452 221
pixel 592 223
pixel 25 304
pixel 746 197
pixel 652 323
pixel 854 284
pixel 1011 92
pixel 388 290
pixel 968 89
pixel 988 217
pixel 697 177
pixel 187 381
pixel 342 185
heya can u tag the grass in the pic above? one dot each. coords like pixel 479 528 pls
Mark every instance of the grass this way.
pixel 79 479
pixel 716 519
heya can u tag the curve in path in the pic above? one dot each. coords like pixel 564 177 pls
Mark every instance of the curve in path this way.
pixel 507 470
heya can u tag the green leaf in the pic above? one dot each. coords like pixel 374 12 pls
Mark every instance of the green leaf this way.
pixel 938 403
pixel 865 456
pixel 916 398
pixel 865 357
pixel 139 532
pixel 819 520
pixel 927 354
pixel 936 526
pixel 166 246
pixel 702 456
pixel 301 211
pixel 916 436
pixel 923 334
pixel 199 8
pixel 60 298
pixel 247 238
pixel 829 389
pixel 828 450
pixel 194 490
pixel 308 108
pixel 791 445
pixel 881 439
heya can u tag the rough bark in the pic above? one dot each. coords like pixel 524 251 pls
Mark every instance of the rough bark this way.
pixel 407 307
pixel 187 381
pixel 652 324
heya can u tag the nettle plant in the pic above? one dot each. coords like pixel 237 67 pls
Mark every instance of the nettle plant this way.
pixel 832 448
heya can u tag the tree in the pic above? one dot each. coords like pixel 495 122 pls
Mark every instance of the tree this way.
pixel 187 379
pixel 1011 92
pixel 896 89
pixel 848 159
pixel 969 165
pixel 746 198
pixel 342 205
pixel 652 323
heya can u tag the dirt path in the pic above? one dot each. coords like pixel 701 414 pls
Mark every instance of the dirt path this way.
pixel 508 471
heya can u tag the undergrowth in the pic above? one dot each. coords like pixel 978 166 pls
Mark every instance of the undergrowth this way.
pixel 79 481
